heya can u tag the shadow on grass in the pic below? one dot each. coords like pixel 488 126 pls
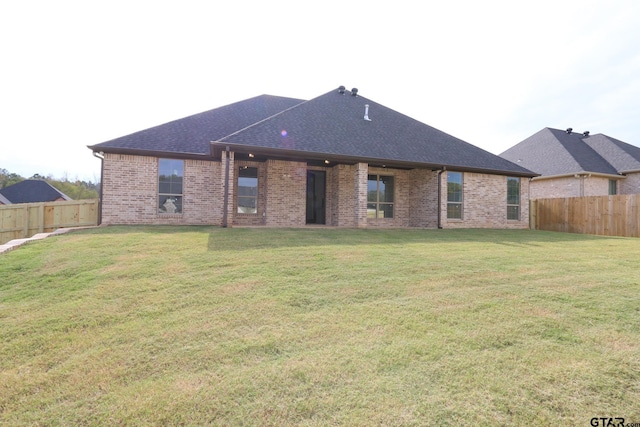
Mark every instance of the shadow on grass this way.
pixel 261 238
pixel 240 238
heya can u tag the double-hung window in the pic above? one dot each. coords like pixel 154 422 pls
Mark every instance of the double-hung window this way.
pixel 454 195
pixel 613 187
pixel 247 190
pixel 513 198
pixel 380 190
pixel 170 176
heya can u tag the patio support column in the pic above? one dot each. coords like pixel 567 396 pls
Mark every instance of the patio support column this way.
pixel 362 170
pixel 229 176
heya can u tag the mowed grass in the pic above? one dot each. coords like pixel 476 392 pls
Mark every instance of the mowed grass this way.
pixel 319 327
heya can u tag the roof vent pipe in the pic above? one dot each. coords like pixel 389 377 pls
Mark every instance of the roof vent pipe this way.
pixel 585 133
pixel 569 130
pixel 366 112
pixel 354 91
pixel 341 90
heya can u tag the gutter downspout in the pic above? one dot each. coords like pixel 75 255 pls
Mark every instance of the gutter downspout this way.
pixel 444 168
pixel 101 157
pixel 226 190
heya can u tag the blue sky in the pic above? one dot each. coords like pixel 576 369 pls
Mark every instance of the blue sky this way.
pixel 77 73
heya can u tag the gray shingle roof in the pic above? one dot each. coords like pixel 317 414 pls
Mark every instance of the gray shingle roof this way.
pixel 557 152
pixel 331 125
pixel 622 156
pixel 32 191
pixel 191 135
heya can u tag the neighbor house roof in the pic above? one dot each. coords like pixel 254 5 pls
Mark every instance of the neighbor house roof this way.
pixel 4 200
pixel 553 152
pixel 32 191
pixel 622 156
pixel 331 126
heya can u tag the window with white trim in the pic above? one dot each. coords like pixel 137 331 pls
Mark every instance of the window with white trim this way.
pixel 380 190
pixel 247 190
pixel 513 198
pixel 170 191
pixel 454 195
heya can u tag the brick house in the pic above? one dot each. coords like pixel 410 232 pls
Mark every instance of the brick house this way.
pixel 338 160
pixel 577 164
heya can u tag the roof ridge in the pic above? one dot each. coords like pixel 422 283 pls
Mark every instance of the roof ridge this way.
pixel 625 156
pixel 261 121
pixel 580 139
pixel 293 107
pixel 63 195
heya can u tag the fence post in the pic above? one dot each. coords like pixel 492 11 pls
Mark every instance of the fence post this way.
pixel 25 222
pixel 41 218
pixel 532 214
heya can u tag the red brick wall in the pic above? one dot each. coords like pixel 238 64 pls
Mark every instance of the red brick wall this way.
pixel 484 202
pixel 341 182
pixel 423 198
pixel 130 195
pixel 130 192
pixel 570 186
pixel 630 184
pixel 286 193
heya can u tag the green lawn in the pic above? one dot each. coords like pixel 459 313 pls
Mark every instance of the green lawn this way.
pixel 319 327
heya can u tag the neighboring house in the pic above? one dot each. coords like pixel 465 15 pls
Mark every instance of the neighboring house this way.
pixel 31 191
pixel 574 164
pixel 338 159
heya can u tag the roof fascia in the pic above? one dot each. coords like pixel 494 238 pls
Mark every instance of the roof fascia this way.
pixel 576 174
pixel 630 171
pixel 150 153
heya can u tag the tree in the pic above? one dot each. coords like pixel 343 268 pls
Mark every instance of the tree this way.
pixel 76 190
pixel 7 178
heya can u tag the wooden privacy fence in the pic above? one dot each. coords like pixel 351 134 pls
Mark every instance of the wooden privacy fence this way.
pixel 602 215
pixel 23 220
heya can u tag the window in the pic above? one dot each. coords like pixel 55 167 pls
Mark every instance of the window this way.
pixel 513 198
pixel 248 190
pixel 613 188
pixel 454 195
pixel 380 196
pixel 170 174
